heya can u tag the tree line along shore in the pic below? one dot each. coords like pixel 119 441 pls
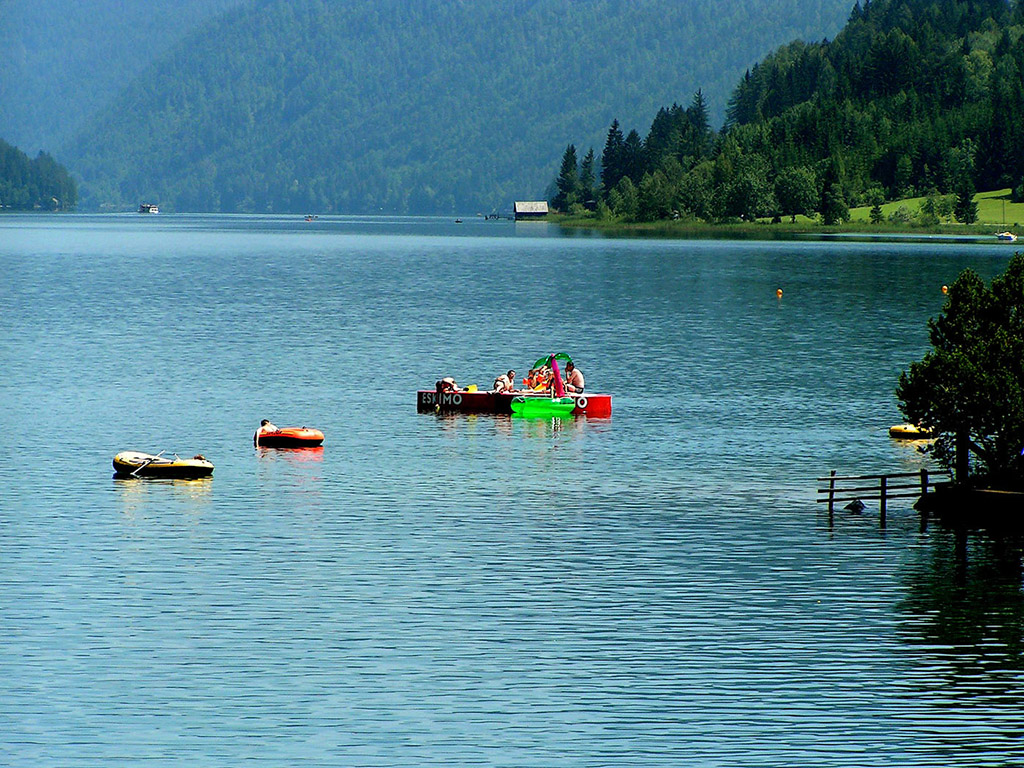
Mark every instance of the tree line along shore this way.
pixel 898 121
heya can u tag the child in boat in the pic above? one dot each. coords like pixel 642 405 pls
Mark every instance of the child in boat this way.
pixel 266 427
pixel 539 379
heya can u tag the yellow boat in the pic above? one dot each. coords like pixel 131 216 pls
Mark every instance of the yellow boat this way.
pixel 909 432
pixel 138 464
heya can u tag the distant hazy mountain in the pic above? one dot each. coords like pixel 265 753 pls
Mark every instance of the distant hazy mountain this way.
pixel 411 105
pixel 62 60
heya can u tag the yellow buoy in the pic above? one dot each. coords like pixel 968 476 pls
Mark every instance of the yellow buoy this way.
pixel 945 289
pixel 779 293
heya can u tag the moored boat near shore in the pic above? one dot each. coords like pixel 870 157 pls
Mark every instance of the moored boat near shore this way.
pixel 909 432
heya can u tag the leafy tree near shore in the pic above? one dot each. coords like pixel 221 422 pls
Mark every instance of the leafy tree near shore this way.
pixel 796 190
pixel 34 184
pixel 969 388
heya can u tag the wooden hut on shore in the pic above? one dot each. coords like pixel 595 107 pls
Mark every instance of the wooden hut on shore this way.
pixel 526 210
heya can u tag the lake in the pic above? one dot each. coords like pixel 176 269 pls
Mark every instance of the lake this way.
pixel 655 589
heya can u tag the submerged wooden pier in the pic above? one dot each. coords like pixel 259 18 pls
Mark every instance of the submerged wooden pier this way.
pixel 851 488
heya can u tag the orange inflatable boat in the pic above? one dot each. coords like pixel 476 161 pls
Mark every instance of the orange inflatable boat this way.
pixel 289 437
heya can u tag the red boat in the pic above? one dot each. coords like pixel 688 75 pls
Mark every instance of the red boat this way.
pixel 430 401
pixel 445 398
pixel 289 437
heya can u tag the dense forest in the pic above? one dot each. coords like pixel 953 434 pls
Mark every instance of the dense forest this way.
pixel 912 97
pixel 409 105
pixel 33 184
pixel 64 60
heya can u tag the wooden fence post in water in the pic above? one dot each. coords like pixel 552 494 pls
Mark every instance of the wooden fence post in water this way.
pixel 831 493
pixel 881 502
pixel 924 504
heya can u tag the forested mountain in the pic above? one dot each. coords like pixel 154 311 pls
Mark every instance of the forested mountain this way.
pixel 911 97
pixel 410 105
pixel 27 185
pixel 62 60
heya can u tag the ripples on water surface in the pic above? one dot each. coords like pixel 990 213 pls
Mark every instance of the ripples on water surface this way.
pixel 656 589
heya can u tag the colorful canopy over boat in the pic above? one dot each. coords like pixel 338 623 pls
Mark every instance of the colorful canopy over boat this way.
pixel 561 357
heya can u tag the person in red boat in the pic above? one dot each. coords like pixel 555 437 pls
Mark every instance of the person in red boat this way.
pixel 574 381
pixel 447 384
pixel 506 382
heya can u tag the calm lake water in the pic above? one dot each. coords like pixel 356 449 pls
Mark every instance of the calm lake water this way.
pixel 655 589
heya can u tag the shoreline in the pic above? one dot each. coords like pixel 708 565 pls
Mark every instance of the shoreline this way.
pixel 763 230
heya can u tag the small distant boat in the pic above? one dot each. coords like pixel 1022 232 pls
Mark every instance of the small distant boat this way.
pixel 289 437
pixel 149 208
pixel 1009 237
pixel 909 432
pixel 138 464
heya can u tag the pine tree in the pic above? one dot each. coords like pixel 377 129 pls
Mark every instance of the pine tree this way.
pixel 700 125
pixel 634 157
pixel 965 210
pixel 588 178
pixel 611 159
pixel 568 182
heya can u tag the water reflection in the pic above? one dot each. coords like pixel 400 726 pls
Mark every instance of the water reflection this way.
pixel 964 611
pixel 138 494
pixel 468 424
pixel 291 455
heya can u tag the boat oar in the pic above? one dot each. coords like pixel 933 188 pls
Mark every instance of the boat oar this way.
pixel 145 464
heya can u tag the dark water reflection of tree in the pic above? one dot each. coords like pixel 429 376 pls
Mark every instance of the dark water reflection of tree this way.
pixel 965 609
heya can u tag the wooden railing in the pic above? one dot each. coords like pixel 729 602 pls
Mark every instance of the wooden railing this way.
pixel 862 488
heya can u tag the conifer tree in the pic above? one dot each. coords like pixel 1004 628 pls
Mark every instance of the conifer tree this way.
pixel 965 210
pixel 634 158
pixel 588 177
pixel 611 159
pixel 568 182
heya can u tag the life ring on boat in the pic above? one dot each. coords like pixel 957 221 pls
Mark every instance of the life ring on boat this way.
pixel 581 402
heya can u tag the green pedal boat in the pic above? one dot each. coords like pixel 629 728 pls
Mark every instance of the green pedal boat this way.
pixel 543 407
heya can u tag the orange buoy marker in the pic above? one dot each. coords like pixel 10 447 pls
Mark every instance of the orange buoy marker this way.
pixel 945 289
pixel 778 293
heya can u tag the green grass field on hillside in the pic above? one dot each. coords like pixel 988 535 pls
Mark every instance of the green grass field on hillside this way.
pixel 994 209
